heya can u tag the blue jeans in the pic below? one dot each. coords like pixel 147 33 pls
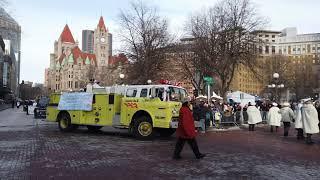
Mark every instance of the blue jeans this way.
pixel 203 125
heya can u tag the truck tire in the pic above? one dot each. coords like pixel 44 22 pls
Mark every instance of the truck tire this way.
pixel 166 132
pixel 94 128
pixel 64 122
pixel 143 128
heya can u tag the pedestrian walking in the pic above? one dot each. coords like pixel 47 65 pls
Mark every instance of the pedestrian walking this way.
pixel 287 117
pixel 18 104
pixel 186 131
pixel 310 119
pixel 254 116
pixel 274 117
pixel 298 121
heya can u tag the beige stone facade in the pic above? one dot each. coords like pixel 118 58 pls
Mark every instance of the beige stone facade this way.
pixel 71 69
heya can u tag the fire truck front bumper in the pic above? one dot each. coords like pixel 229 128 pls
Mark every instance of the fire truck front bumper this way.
pixel 174 124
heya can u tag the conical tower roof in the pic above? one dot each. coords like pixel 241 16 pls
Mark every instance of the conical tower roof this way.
pixel 66 35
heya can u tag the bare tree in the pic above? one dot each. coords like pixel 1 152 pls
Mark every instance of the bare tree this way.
pixel 223 40
pixel 145 35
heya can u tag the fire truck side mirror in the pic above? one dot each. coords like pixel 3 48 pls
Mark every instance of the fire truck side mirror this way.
pixel 153 92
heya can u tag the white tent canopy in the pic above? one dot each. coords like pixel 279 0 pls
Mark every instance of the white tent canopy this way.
pixel 241 97
pixel 215 96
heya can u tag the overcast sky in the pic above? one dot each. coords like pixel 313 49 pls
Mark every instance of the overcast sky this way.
pixel 42 22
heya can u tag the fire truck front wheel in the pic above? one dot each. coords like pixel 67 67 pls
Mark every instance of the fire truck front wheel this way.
pixel 143 128
pixel 64 122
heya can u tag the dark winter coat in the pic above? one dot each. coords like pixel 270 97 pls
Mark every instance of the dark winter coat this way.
pixel 186 127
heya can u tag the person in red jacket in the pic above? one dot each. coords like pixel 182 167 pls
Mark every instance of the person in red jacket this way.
pixel 186 131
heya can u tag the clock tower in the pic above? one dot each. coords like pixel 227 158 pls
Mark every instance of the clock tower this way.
pixel 101 43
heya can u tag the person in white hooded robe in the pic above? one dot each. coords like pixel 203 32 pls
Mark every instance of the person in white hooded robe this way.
pixel 310 119
pixel 274 117
pixel 298 121
pixel 287 117
pixel 254 116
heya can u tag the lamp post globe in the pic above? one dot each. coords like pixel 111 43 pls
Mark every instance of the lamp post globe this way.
pixel 281 85
pixel 149 81
pixel 121 76
pixel 276 75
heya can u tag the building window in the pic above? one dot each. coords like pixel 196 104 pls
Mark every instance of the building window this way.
pixel 266 35
pixel 260 51
pixel 75 84
pixel 273 40
pixel 273 49
pixel 260 35
pixel 273 36
pixel 267 50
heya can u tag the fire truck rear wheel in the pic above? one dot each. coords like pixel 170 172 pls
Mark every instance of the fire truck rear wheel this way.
pixel 143 128
pixel 64 123
pixel 94 128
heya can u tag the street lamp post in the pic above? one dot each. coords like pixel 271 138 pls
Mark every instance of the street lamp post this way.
pixel 121 78
pixel 276 85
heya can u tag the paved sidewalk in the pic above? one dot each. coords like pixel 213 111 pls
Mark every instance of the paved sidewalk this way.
pixel 42 152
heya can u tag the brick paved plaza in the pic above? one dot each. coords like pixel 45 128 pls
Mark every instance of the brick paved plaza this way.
pixel 31 151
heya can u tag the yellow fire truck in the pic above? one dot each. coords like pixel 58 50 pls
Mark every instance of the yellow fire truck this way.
pixel 145 110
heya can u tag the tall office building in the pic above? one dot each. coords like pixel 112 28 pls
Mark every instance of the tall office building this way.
pixel 87 41
pixel 10 32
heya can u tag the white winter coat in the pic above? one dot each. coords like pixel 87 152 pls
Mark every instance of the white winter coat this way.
pixel 298 119
pixel 89 88
pixel 310 119
pixel 254 115
pixel 286 114
pixel 274 117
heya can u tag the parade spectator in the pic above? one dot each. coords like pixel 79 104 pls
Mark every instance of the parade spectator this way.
pixel 264 111
pixel 274 117
pixel 298 121
pixel 186 131
pixel 254 116
pixel 317 105
pixel 208 115
pixel 310 119
pixel 287 117
pixel 202 116
pixel 89 86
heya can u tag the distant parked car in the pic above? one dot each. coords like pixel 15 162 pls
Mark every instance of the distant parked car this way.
pixel 40 109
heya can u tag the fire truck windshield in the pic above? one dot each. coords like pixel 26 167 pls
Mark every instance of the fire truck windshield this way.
pixel 177 94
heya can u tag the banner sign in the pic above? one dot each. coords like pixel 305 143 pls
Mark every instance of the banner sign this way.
pixel 76 101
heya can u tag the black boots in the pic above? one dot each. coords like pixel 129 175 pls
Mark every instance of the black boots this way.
pixel 251 127
pixel 200 156
pixel 300 133
pixel 309 141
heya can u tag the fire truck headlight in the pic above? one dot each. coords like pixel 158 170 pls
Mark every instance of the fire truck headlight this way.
pixel 174 112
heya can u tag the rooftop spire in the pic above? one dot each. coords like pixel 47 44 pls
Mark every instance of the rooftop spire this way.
pixel 101 23
pixel 66 35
